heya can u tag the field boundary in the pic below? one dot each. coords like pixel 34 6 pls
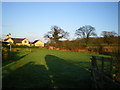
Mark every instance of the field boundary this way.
pixel 98 75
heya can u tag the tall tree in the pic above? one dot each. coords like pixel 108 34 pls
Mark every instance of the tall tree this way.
pixel 85 32
pixel 56 34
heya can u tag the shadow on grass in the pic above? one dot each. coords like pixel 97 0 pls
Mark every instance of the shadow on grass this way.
pixel 67 75
pixel 60 74
pixel 28 76
pixel 13 56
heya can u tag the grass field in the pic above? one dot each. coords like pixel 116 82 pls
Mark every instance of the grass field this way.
pixel 44 68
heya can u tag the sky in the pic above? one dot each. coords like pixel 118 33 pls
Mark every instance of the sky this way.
pixel 34 19
pixel 60 0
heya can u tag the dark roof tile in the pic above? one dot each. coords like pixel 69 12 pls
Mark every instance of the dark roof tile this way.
pixel 17 40
pixel 35 41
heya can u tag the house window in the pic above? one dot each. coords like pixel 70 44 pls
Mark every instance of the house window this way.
pixel 25 41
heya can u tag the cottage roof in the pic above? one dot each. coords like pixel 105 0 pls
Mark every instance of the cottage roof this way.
pixel 35 41
pixel 6 39
pixel 16 40
pixel 5 42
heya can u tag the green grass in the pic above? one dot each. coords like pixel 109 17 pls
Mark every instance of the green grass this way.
pixel 44 68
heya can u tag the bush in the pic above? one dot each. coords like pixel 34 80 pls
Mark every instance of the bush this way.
pixel 96 49
pixel 100 49
pixel 116 58
pixel 19 46
pixel 5 53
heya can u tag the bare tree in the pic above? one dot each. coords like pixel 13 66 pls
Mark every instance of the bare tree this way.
pixel 85 32
pixel 108 34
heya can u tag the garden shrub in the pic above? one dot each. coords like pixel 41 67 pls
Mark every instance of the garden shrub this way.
pixel 19 46
pixel 5 53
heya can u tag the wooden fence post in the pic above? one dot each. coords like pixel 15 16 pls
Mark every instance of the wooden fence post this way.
pixel 102 73
pixel 111 66
pixel 102 68
pixel 93 71
pixel 100 79
pixel 94 63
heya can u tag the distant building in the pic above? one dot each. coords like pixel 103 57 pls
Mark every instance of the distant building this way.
pixel 23 41
pixel 8 36
pixel 38 43
pixel 5 43
pixel 17 41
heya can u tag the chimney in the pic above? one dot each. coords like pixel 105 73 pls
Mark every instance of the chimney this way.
pixel 8 36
